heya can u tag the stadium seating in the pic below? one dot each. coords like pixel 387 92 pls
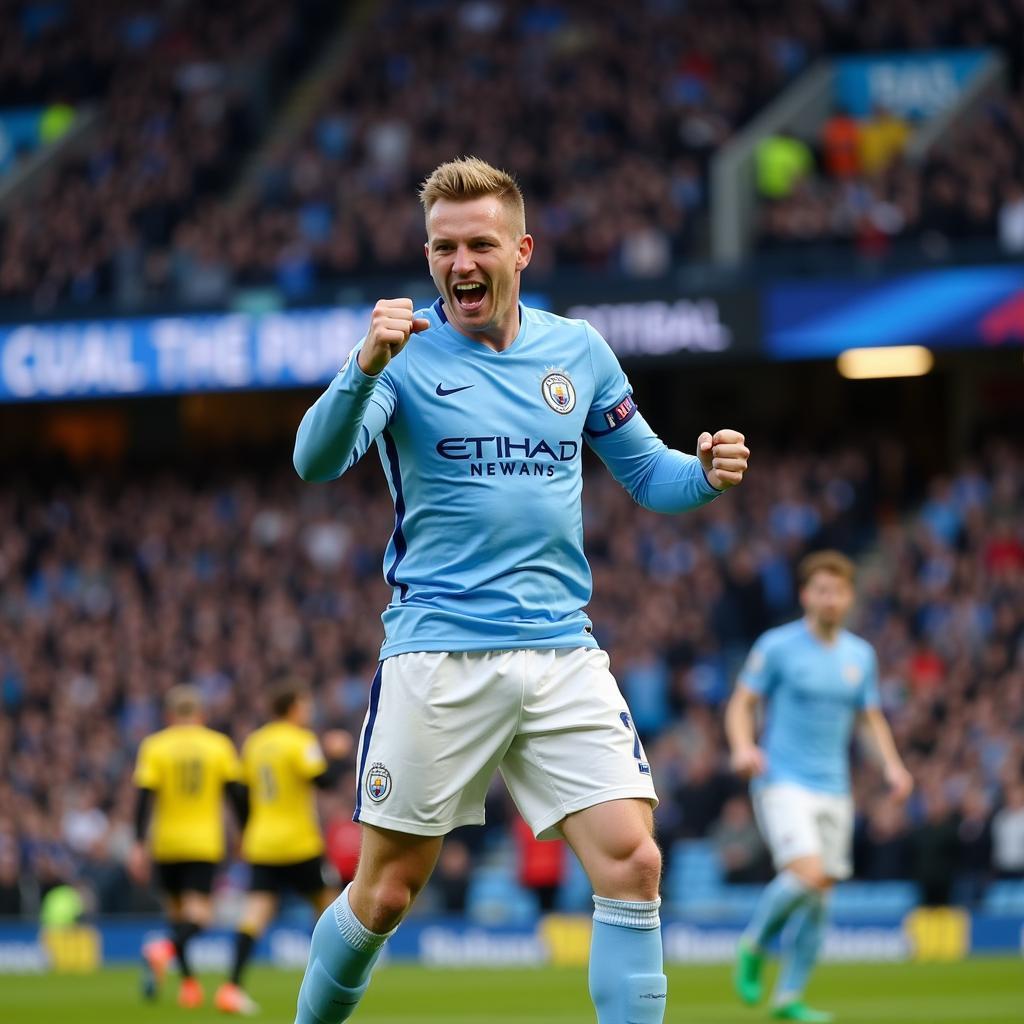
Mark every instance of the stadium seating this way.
pixel 495 897
pixel 1005 897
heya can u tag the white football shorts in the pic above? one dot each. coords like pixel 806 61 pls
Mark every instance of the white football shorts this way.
pixel 551 721
pixel 798 822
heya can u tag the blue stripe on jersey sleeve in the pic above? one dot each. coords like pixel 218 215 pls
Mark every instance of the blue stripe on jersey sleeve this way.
pixel 398 536
pixel 339 427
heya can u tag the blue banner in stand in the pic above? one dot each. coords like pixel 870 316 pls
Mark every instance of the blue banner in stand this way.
pixel 306 347
pixel 968 307
pixel 176 354
pixel 19 133
pixel 455 942
pixel 915 86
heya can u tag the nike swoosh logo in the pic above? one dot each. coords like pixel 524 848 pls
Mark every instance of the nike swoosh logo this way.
pixel 443 392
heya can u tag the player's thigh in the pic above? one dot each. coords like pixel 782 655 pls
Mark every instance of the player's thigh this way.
pixel 171 902
pixel 575 746
pixel 787 817
pixel 197 907
pixel 436 730
pixel 196 888
pixel 615 844
pixel 312 879
pixel 835 827
pixel 259 910
pixel 179 878
pixel 385 853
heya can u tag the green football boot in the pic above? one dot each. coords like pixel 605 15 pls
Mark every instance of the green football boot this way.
pixel 799 1010
pixel 746 974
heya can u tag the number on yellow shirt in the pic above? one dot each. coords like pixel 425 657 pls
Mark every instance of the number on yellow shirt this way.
pixel 189 776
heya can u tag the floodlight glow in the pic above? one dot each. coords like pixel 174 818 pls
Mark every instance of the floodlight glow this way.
pixel 890 361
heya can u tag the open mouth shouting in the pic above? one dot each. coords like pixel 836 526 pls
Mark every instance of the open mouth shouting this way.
pixel 469 295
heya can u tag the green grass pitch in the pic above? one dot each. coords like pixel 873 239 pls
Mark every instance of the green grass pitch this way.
pixel 981 991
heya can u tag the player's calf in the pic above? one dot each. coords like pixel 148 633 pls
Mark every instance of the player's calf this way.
pixel 341 958
pixel 626 979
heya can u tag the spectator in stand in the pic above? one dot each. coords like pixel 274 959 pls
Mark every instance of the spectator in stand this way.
pixel 935 849
pixel 840 145
pixel 781 163
pixel 1011 219
pixel 1008 833
pixel 883 846
pixel 974 832
pixel 341 833
pixel 881 140
pixel 451 877
pixel 741 851
pixel 705 789
pixel 13 899
pixel 540 866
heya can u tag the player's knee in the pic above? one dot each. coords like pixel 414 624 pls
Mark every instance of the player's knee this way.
pixel 646 862
pixel 198 912
pixel 390 899
pixel 812 875
pixel 636 875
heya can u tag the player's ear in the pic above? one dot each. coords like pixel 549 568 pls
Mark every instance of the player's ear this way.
pixel 525 253
pixel 426 250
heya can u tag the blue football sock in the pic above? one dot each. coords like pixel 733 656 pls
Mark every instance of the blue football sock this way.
pixel 780 898
pixel 341 957
pixel 627 984
pixel 801 943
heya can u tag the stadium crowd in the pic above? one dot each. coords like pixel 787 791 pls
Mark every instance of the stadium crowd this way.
pixel 112 590
pixel 180 90
pixel 616 117
pixel 970 187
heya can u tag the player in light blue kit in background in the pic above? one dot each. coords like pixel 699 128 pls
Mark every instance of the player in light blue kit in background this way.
pixel 816 680
pixel 488 661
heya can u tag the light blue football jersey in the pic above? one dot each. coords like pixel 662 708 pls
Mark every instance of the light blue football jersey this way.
pixel 813 693
pixel 483 455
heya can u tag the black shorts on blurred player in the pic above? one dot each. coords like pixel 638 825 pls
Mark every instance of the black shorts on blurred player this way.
pixel 305 877
pixel 178 876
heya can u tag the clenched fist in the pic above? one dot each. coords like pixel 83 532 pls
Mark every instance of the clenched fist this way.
pixel 724 458
pixel 391 325
pixel 748 762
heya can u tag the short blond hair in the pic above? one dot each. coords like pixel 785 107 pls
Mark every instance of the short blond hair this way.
pixel 469 177
pixel 183 701
pixel 834 562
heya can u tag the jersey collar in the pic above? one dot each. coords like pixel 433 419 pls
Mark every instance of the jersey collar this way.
pixel 475 346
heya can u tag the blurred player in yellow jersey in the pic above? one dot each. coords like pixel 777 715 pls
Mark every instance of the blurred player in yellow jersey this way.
pixel 282 764
pixel 182 775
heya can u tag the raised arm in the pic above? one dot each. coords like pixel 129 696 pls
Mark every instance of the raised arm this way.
pixel 343 422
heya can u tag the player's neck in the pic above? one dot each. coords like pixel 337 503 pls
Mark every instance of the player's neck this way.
pixel 823 631
pixel 497 337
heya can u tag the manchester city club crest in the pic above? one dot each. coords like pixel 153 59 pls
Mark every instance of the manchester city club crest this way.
pixel 559 393
pixel 851 674
pixel 378 782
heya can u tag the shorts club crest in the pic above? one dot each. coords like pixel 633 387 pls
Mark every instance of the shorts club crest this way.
pixel 378 782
